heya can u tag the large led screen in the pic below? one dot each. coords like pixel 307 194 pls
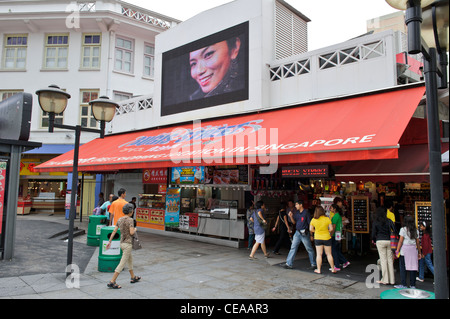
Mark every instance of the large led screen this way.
pixel 208 72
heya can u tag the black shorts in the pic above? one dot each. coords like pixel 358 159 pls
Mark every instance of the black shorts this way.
pixel 319 242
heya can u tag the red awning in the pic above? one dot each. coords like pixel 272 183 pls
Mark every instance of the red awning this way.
pixel 411 166
pixel 359 128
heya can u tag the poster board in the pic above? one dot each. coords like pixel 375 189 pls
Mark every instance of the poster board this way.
pixel 422 212
pixel 360 214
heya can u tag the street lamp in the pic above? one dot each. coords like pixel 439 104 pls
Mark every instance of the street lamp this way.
pixel 53 100
pixel 435 41
pixel 103 110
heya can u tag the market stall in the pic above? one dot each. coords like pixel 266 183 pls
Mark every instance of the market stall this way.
pixel 150 210
pixel 207 201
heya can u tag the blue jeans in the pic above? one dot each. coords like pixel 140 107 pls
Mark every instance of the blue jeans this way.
pixel 299 238
pixel 338 257
pixel 425 261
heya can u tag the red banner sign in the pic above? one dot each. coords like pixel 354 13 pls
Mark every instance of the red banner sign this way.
pixel 305 171
pixel 154 176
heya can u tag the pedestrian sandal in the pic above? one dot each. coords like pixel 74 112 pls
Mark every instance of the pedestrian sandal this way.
pixel 135 279
pixel 113 285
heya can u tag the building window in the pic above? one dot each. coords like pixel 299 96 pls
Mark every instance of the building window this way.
pixel 86 117
pixel 15 52
pixel 44 119
pixel 124 55
pixel 5 94
pixel 56 51
pixel 149 60
pixel 122 96
pixel 90 51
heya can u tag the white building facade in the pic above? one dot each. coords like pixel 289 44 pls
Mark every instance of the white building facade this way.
pixel 281 70
pixel 87 48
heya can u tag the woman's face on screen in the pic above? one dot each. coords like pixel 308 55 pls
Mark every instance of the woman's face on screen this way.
pixel 210 64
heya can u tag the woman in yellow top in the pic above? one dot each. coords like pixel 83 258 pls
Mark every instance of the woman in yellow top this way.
pixel 321 226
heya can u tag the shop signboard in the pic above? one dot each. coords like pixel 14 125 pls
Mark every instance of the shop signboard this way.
pixel 2 191
pixel 184 222
pixel 162 189
pixel 309 171
pixel 154 176
pixel 172 216
pixel 27 166
pixel 228 175
pixel 188 175
pixel 68 202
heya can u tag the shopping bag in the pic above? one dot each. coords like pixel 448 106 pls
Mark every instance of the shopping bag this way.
pixel 393 236
pixel 135 242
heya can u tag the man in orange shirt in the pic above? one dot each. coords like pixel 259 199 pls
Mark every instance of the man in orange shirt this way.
pixel 116 207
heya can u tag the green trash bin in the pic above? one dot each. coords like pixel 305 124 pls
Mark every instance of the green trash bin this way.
pixel 109 259
pixel 96 223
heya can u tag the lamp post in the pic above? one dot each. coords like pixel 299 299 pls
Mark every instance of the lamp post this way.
pixel 429 35
pixel 53 100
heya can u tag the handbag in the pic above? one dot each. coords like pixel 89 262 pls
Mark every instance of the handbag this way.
pixel 263 225
pixel 393 236
pixel 136 244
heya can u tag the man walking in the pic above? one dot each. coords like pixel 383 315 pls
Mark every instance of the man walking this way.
pixel 116 206
pixel 301 219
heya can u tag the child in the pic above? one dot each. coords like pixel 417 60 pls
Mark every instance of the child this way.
pixel 427 250
pixel 410 252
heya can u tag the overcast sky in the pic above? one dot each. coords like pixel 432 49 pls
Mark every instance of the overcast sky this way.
pixel 332 21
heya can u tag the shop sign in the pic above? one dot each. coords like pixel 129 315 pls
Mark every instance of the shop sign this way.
pixel 193 219
pixel 172 216
pixel 184 222
pixel 68 199
pixel 188 175
pixel 162 189
pixel 305 171
pixel 154 176
pixel 27 166
pixel 2 191
pixel 229 175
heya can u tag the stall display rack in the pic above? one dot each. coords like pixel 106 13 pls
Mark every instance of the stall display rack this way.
pixel 150 211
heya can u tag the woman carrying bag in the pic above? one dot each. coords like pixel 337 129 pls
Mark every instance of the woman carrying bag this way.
pixel 381 237
pixel 260 226
pixel 127 230
pixel 410 252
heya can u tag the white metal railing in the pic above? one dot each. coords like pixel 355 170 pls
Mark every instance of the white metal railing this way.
pixel 338 57
pixel 134 14
pixel 86 6
pixel 135 104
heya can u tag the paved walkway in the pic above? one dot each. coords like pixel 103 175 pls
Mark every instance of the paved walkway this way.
pixel 174 268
